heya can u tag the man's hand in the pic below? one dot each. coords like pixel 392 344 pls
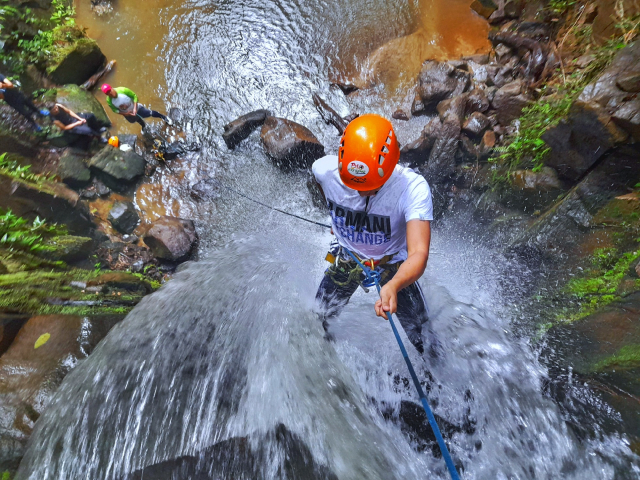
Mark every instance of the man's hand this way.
pixel 388 301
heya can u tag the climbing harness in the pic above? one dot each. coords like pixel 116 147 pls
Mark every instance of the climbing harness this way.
pixel 372 277
pixel 269 206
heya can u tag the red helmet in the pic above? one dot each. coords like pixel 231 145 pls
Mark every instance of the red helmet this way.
pixel 368 153
pixel 106 88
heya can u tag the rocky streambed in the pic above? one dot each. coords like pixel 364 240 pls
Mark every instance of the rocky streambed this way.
pixel 571 215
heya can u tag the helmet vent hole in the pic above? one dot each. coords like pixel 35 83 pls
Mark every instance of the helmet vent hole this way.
pixel 381 172
pixel 341 154
pixel 385 149
pixel 381 159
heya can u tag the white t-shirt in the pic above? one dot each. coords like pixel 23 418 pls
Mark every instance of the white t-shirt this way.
pixel 382 229
pixel 123 103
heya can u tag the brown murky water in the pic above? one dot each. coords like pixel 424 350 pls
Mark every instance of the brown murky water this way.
pixel 216 60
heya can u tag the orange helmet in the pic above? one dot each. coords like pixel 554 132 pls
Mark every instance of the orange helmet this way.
pixel 368 153
pixel 114 141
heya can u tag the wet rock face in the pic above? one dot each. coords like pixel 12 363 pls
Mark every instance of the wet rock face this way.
pixel 123 217
pixel 241 127
pixel 438 81
pixel 117 169
pixel 238 458
pixel 560 231
pixel 29 376
pixel 605 114
pixel 289 144
pixel 581 140
pixel 171 238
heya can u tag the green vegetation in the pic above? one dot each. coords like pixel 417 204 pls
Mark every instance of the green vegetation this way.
pixel 627 357
pixel 560 6
pixel 18 233
pixel 50 292
pixel 600 286
pixel 6 476
pixel 33 45
pixel 12 168
pixel 526 148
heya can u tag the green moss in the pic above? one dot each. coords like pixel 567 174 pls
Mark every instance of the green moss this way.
pixel 36 292
pixel 627 357
pixel 600 286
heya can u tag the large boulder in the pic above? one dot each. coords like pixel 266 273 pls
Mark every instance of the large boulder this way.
pixel 117 169
pixel 49 200
pixel 241 127
pixel 438 81
pixel 581 139
pixel 31 371
pixel 509 101
pixel 289 144
pixel 72 169
pixel 123 217
pixel 560 232
pixel 171 238
pixel 80 101
pixel 604 115
pixel 74 57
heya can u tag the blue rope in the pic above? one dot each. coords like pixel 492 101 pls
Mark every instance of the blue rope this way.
pixel 372 278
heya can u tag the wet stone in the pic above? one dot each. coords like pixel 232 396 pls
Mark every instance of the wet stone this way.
pixel 241 127
pixel 72 169
pixel 476 124
pixel 171 238
pixel 123 217
pixel 289 144
pixel 117 169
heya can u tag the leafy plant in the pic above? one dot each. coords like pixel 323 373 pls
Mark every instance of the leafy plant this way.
pixel 18 233
pixel 526 148
pixel 23 172
pixel 561 6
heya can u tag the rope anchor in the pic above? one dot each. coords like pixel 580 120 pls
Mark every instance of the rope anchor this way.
pixel 372 277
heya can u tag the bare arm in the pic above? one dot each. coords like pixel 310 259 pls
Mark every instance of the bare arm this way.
pixel 64 127
pixel 72 113
pixel 418 241
pixel 6 83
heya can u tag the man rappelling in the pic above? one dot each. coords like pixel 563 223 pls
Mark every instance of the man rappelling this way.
pixel 381 212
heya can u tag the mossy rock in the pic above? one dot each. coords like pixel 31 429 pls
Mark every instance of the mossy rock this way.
pixel 74 57
pixel 49 200
pixel 68 248
pixel 72 169
pixel 79 100
pixel 117 169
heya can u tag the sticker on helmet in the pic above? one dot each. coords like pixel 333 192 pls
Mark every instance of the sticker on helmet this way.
pixel 358 168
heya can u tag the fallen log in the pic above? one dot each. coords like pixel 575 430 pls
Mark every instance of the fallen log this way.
pixel 89 84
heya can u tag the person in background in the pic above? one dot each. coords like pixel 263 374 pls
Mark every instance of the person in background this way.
pixel 20 103
pixel 67 120
pixel 123 101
